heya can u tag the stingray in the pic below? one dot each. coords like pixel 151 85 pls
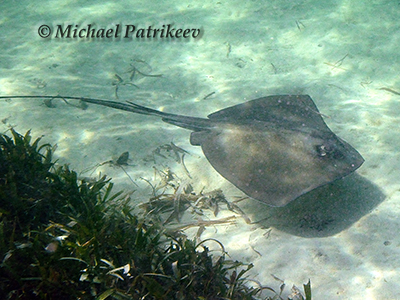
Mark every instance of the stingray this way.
pixel 274 148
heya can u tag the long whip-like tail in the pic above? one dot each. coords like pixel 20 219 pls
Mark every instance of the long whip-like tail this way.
pixel 191 123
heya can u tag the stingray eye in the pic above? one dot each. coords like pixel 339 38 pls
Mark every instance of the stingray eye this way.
pixel 323 150
pixel 327 150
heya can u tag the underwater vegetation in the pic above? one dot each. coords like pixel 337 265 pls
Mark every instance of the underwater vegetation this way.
pixel 66 238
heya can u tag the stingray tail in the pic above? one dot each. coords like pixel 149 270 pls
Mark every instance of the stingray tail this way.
pixel 192 123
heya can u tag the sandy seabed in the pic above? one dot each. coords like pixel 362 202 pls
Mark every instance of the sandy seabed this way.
pixel 342 236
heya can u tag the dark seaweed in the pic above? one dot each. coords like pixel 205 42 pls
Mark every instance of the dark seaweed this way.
pixel 62 238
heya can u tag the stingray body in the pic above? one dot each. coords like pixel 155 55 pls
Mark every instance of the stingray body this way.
pixel 274 148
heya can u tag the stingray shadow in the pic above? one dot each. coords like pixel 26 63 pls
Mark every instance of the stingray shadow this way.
pixel 324 211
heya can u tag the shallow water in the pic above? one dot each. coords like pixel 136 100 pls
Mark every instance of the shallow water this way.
pixel 342 236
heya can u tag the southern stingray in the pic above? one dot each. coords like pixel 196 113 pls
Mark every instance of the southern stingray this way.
pixel 274 148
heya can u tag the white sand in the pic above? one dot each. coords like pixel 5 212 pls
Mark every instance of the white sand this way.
pixel 344 237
